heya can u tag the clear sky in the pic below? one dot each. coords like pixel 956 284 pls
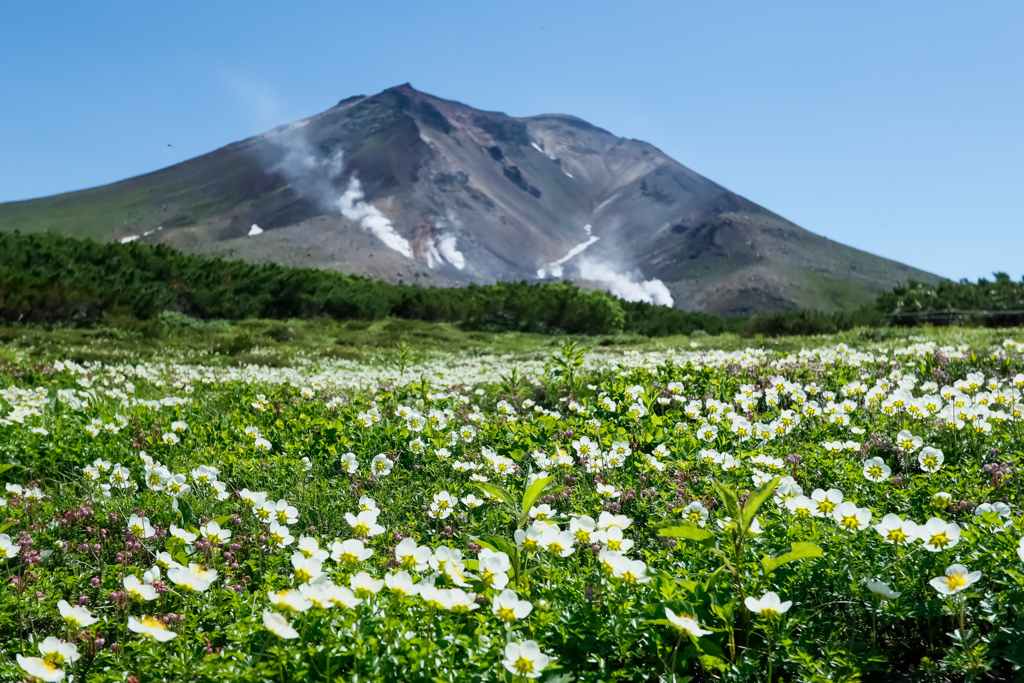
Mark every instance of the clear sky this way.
pixel 895 127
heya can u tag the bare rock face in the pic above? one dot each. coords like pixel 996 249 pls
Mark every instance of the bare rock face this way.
pixel 404 186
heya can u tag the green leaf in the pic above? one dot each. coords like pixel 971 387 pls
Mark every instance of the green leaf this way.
pixel 498 492
pixel 754 502
pixel 709 647
pixel 185 510
pixel 729 500
pixel 533 493
pixel 798 551
pixel 499 544
pixel 688 531
pixel 5 467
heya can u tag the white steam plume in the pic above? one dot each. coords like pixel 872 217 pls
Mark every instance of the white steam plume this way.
pixel 353 207
pixel 650 291
pixel 316 177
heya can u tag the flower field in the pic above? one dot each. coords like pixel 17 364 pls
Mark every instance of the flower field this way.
pixel 833 514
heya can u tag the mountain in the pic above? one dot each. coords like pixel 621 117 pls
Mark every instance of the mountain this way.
pixel 405 186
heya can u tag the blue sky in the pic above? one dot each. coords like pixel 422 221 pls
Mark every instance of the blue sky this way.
pixel 895 127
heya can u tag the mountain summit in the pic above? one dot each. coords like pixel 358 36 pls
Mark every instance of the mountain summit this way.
pixel 405 186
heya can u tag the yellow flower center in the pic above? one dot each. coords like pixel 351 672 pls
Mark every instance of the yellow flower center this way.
pixel 523 666
pixel 408 562
pixel 826 506
pixel 955 581
pixel 940 540
pixel 153 622
pixel 360 529
pixel 555 547
pixel 506 614
pixel 303 575
pixel 614 544
pixel 850 522
pixel 897 536
pixel 348 558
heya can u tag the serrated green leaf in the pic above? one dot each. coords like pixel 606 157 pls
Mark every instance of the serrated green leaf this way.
pixel 798 551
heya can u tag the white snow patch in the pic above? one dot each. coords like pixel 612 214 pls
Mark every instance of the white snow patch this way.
pixel 650 291
pixel 556 270
pixel 353 207
pixel 129 238
pixel 541 273
pixel 255 230
pixel 538 148
pixel 587 228
pixel 567 173
pixel 578 249
pixel 446 245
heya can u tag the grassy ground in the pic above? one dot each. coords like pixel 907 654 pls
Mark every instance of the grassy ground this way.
pixel 278 343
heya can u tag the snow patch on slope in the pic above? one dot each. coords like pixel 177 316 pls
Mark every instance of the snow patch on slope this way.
pixel 255 230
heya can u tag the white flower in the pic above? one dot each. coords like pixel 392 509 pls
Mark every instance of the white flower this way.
pixel 897 531
pixel 882 589
pixel 285 513
pixel 7 548
pixel 365 586
pixel 930 459
pixel 57 652
pixel 493 568
pixel 170 438
pixel 851 517
pixel 290 601
pixel 350 552
pixel 137 590
pixel 685 623
pixel 278 625
pixel 400 583
pixel 768 605
pixel 955 580
pixel 412 556
pixel 508 607
pixel 938 534
pixel 365 523
pixel 472 501
pixel 442 506
pixel 192 578
pixel 525 659
pixel 307 569
pixel 381 466
pixel 77 617
pixel 908 442
pixel 349 463
pixel 279 536
pixel 214 534
pixel 826 501
pixel 876 470
pixel 39 668
pixel 695 512
pixel 152 628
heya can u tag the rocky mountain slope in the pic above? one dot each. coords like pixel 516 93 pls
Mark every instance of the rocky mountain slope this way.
pixel 406 186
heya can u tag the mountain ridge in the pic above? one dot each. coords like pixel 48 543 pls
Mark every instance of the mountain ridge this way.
pixel 406 186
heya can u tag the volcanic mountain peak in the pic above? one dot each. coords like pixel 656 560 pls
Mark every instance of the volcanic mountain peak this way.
pixel 406 186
